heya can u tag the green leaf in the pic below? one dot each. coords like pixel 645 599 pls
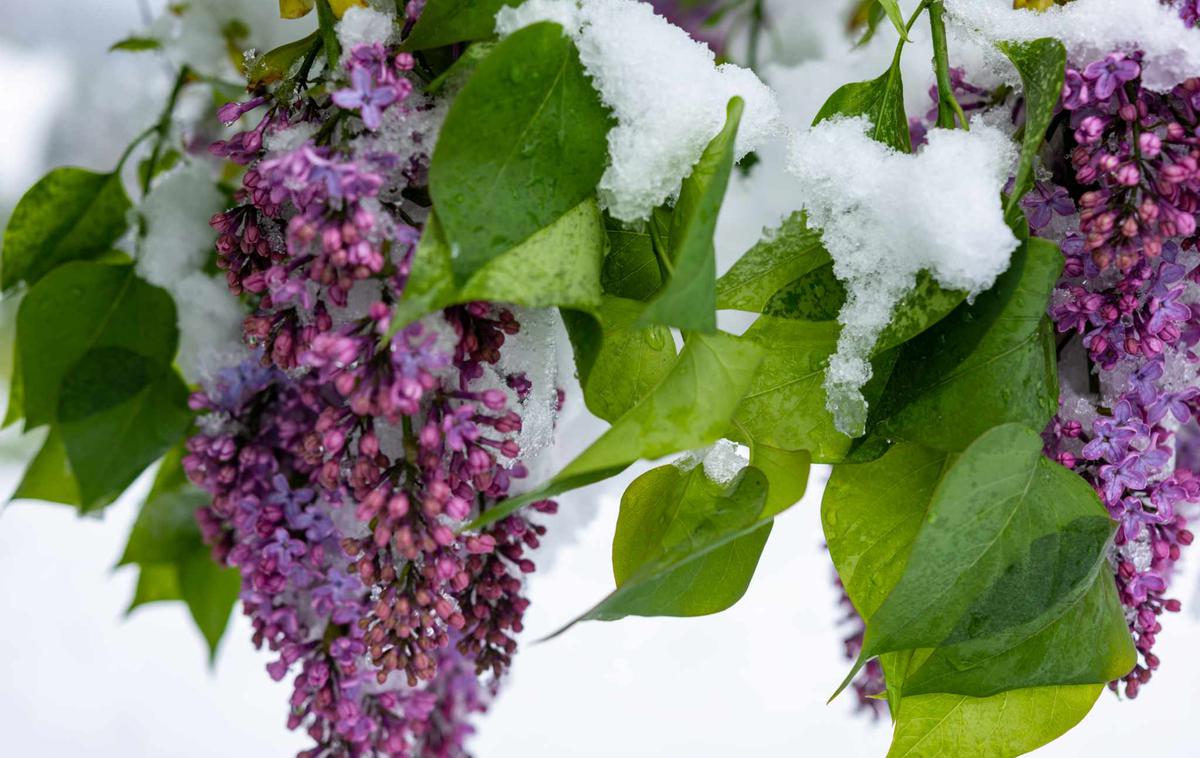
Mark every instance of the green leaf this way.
pixel 110 447
pixel 1010 541
pixel 1042 66
pixel 618 363
pixel 276 64
pixel 684 545
pixel 1047 652
pixel 892 9
pixel 872 515
pixel 925 305
pixel 1002 726
pixel 48 477
pixel 210 592
pixel 631 268
pixel 688 299
pixel 880 100
pixel 505 167
pixel 819 296
pixel 557 266
pixel 816 295
pixel 690 408
pixel 81 307
pixel 70 214
pixel 669 516
pixel 985 364
pixel 136 45
pixel 783 256
pixel 785 406
pixel 15 409
pixel 166 527
pixel 787 473
pixel 444 22
pixel 156 583
pixel 102 378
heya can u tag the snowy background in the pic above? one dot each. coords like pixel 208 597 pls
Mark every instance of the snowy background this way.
pixel 77 676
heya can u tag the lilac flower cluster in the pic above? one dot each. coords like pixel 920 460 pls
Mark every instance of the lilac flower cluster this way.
pixel 1129 296
pixel 695 17
pixel 1139 329
pixel 1189 11
pixel 344 464
pixel 972 98
pixel 1137 158
pixel 1127 456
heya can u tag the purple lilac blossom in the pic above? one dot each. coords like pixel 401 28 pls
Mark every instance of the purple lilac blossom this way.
pixel 693 17
pixel 1189 11
pixel 1137 160
pixel 1126 295
pixel 343 466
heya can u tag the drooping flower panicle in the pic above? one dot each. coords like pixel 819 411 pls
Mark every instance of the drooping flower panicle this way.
pixel 343 466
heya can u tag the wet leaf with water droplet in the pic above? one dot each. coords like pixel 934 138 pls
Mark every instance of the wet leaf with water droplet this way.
pixel 987 363
pixel 506 167
pixel 684 545
pixel 991 558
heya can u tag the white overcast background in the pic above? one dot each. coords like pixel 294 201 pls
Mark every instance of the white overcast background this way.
pixel 78 677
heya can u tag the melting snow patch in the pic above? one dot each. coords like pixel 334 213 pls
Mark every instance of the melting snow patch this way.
pixel 178 241
pixel 885 216
pixel 1091 29
pixel 664 88
pixel 724 461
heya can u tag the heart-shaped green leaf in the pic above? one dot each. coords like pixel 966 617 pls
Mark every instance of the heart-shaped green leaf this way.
pixel 986 364
pixel 1009 545
pixel 506 167
pixel 1002 726
pixel 881 100
pixel 785 406
pixel 557 266
pixel 82 307
pixel 684 545
pixel 71 214
pixel 783 256
pixel 618 363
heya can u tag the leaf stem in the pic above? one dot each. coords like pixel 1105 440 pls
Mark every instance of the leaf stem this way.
pixel 912 20
pixel 326 21
pixel 661 255
pixel 309 58
pixel 948 106
pixel 132 145
pixel 163 126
